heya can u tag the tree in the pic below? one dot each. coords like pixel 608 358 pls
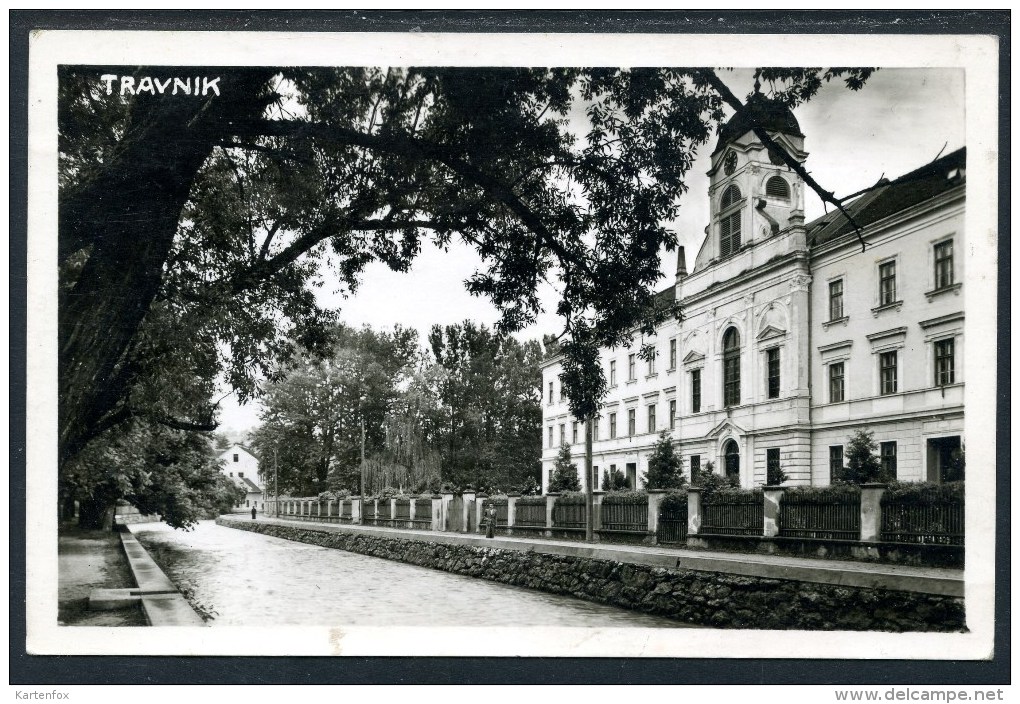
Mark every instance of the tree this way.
pixel 564 476
pixel 248 186
pixel 862 465
pixel 613 480
pixel 159 470
pixel 665 467
pixel 490 406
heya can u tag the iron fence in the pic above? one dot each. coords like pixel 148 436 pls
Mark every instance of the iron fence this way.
pixel 734 513
pixel 530 515
pixel 568 515
pixel 672 524
pixel 834 515
pixel 932 519
pixel 626 517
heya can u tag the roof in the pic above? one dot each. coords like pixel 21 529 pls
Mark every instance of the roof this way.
pixel 908 190
pixel 247 484
pixel 758 111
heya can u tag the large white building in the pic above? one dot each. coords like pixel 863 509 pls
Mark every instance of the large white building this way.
pixel 242 467
pixel 793 337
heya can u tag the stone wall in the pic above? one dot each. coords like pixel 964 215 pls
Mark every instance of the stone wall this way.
pixel 704 598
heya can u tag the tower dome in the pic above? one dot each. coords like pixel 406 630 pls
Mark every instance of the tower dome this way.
pixel 760 111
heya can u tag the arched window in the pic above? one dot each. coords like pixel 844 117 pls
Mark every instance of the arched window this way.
pixel 731 367
pixel 729 224
pixel 731 453
pixel 777 187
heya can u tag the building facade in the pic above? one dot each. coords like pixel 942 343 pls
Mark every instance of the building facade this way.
pixel 794 336
pixel 242 467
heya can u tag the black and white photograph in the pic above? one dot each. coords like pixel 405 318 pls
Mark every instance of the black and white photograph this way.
pixel 512 345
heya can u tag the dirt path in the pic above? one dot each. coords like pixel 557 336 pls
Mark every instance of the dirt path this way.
pixel 87 560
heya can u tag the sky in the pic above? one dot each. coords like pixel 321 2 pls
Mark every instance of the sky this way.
pixel 901 120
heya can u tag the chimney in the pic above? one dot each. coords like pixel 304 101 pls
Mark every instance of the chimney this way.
pixel 681 263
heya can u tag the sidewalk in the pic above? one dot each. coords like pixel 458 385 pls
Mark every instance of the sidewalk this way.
pixel 88 560
pixel 927 580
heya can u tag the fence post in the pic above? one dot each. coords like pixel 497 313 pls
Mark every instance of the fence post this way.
pixel 393 513
pixel 447 498
pixel 357 515
pixel 654 499
pixel 437 513
pixel 469 501
pixel 550 502
pixel 412 512
pixel 479 510
pixel 511 509
pixel 871 512
pixel 596 507
pixel 693 510
pixel 773 497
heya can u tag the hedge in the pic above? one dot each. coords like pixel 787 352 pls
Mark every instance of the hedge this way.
pixel 734 496
pixel 569 498
pixel 625 497
pixel 924 493
pixel 674 500
pixel 531 501
pixel 822 494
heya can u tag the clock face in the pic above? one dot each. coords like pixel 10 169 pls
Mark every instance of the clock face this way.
pixel 729 163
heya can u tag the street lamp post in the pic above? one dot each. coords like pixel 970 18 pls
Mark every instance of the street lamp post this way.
pixel 276 483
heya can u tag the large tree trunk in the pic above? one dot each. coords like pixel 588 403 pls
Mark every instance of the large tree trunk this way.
pixel 129 214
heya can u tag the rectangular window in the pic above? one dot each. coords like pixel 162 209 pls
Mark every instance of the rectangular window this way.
pixel 235 456
pixel 631 367
pixel 563 434
pixel 672 414
pixel 612 425
pixel 651 419
pixel 632 421
pixel 696 391
pixel 944 264
pixel 561 392
pixel 240 474
pixel 574 432
pixel 772 360
pixel 887 372
pixel 835 462
pixel 595 430
pixel 612 372
pixel 887 283
pixel 836 299
pixel 772 465
pixel 672 354
pixel 731 379
pixel 945 367
pixel 888 454
pixel 651 363
pixel 695 467
pixel 836 382
pixel 550 436
pixel 729 234
pixel 550 393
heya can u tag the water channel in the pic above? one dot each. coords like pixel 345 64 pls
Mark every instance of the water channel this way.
pixel 237 578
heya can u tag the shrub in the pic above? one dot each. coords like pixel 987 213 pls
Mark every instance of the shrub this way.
pixel 821 494
pixel 775 476
pixel 571 498
pixel 674 501
pixel 729 495
pixel 924 493
pixel 862 465
pixel 614 480
pixel 564 476
pixel 625 497
pixel 531 501
pixel 665 468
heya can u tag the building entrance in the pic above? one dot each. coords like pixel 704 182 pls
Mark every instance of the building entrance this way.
pixel 945 459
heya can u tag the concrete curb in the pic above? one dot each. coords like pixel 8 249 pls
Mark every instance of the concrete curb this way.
pixel 162 603
pixel 923 580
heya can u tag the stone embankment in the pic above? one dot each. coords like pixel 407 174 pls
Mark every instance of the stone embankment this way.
pixel 818 599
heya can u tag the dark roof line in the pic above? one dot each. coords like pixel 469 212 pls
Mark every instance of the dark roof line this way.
pixel 921 184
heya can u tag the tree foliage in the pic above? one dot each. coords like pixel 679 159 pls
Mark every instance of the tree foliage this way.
pixel 159 470
pixel 862 465
pixel 564 476
pixel 665 467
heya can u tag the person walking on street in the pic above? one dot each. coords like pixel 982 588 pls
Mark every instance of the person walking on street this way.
pixel 253 513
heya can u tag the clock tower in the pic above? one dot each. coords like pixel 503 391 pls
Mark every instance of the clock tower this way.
pixel 753 194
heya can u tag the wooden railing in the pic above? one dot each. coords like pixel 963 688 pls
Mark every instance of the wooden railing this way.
pixel 569 513
pixel 422 514
pixel 530 515
pixel 672 524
